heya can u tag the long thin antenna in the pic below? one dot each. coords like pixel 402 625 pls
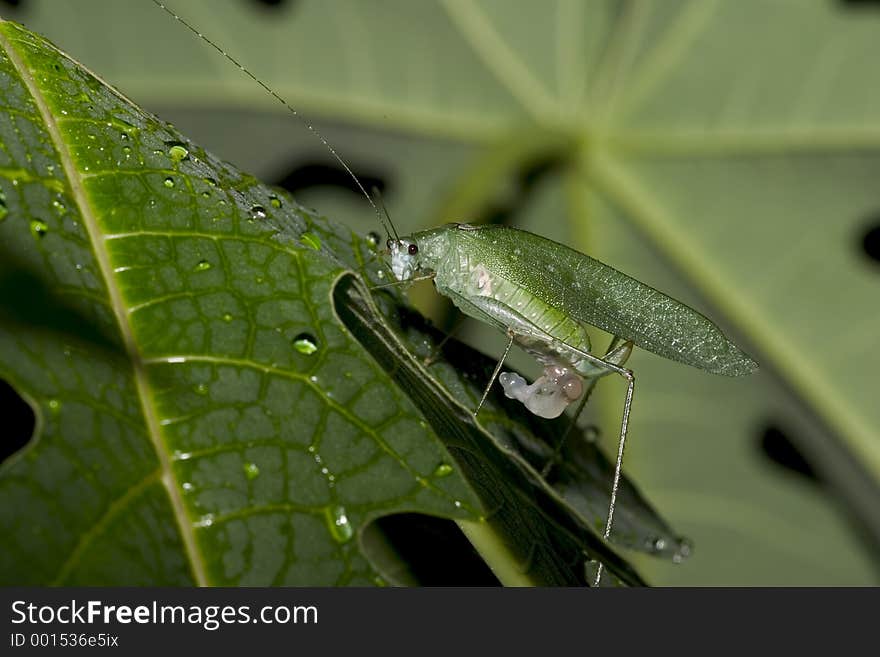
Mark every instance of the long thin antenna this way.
pixel 378 195
pixel 287 106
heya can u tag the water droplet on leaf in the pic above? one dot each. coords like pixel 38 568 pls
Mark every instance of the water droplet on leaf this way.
pixel 178 153
pixel 683 552
pixel 201 389
pixel 54 405
pixel 169 182
pixel 39 228
pixel 251 471
pixel 373 238
pixel 205 521
pixel 275 202
pixel 305 343
pixel 258 212
pixel 339 524
pixel 312 240
pixel 203 265
pixel 443 470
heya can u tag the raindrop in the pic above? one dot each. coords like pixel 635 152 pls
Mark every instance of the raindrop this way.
pixel 443 470
pixel 211 182
pixel 258 212
pixel 685 548
pixel 178 153
pixel 656 544
pixel 251 471
pixel 54 405
pixel 169 182
pixel 275 202
pixel 59 207
pixel 312 240
pixel 373 238
pixel 203 265
pixel 201 389
pixel 305 343
pixel 339 524
pixel 3 209
pixel 227 317
pixel 187 487
pixel 39 228
pixel 205 521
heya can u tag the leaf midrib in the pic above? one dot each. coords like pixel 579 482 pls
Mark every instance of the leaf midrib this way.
pixel 90 221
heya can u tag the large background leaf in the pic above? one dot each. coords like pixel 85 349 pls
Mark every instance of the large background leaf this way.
pixel 721 151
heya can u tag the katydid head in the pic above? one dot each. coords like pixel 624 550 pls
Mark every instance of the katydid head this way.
pixel 404 257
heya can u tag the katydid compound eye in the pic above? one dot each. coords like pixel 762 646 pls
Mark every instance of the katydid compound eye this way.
pixel 413 249
pixel 389 243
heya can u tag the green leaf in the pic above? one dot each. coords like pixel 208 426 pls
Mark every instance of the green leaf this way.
pixel 215 388
pixel 721 152
pixel 200 442
pixel 702 147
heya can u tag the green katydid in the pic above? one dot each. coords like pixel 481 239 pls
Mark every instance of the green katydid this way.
pixel 543 295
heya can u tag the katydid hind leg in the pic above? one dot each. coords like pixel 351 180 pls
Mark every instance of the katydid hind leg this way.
pixel 618 463
pixel 627 374
pixel 619 350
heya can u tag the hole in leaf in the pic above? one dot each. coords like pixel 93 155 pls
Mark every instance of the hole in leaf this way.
pixel 18 421
pixel 312 174
pixel 527 180
pixel 535 171
pixel 434 552
pixel 871 241
pixel 780 449
pixel 859 4
pixel 272 4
